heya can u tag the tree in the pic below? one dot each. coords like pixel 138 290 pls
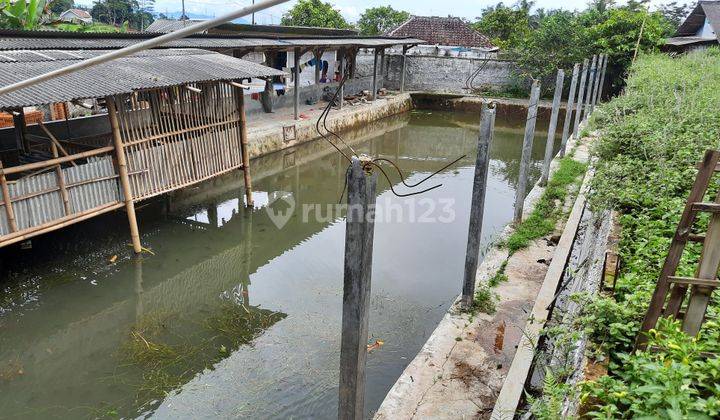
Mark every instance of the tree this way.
pixel 558 42
pixel 21 14
pixel 505 26
pixel 314 13
pixel 119 12
pixel 379 20
pixel 59 6
pixel 675 13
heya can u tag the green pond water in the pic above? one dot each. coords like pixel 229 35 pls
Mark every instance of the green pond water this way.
pixel 234 316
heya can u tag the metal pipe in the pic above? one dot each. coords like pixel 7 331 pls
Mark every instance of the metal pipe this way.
pixel 141 46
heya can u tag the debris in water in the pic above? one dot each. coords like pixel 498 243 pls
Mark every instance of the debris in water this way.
pixel 113 259
pixel 500 337
pixel 376 345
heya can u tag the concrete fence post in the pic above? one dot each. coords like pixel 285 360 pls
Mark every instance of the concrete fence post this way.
pixel 581 96
pixel 403 67
pixel 602 80
pixel 569 109
pixel 477 207
pixel 550 142
pixel 596 85
pixel 526 151
pixel 590 84
pixel 356 291
pixel 341 69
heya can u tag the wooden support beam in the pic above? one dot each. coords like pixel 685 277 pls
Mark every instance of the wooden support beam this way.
pixel 244 149
pixel 60 179
pixel 9 211
pixel 21 140
pixel 694 281
pixel 706 207
pixel 52 162
pixel 123 172
pixel 54 141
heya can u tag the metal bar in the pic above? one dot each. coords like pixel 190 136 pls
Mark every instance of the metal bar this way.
pixel 487 123
pixel 526 151
pixel 141 46
pixel 569 109
pixel 550 142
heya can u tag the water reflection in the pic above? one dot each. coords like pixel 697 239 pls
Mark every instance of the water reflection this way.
pixel 81 336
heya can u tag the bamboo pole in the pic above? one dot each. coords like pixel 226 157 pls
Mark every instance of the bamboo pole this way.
pixel 123 172
pixel 244 149
pixel 61 181
pixel 9 212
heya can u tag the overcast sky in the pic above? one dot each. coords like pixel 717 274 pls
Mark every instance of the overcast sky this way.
pixel 351 9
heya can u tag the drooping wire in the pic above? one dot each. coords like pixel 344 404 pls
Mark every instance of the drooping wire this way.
pixel 402 176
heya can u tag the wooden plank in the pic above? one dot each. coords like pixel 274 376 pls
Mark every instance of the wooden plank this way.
pixel 694 281
pixel 514 384
pixel 706 207
pixel 655 308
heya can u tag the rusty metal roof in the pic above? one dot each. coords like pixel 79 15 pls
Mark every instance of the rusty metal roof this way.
pixel 144 70
pixel 58 40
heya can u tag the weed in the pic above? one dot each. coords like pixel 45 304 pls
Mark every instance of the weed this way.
pixel 499 276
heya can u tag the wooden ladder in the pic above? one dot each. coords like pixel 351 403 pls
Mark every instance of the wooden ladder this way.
pixel 705 280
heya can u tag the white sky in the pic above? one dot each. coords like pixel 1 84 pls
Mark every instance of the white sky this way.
pixel 351 9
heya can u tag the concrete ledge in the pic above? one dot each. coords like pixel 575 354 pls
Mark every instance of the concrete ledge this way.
pixel 461 368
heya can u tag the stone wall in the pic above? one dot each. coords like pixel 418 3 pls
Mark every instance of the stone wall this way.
pixel 449 74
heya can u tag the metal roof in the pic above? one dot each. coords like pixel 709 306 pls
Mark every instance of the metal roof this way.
pixel 144 70
pixel 687 40
pixel 57 40
pixel 696 19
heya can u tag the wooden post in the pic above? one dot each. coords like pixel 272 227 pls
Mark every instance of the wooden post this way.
pixel 60 178
pixel 404 68
pixel 590 82
pixel 569 109
pixel 487 123
pixel 550 142
pixel 318 65
pixel 602 80
pixel 9 211
pixel 374 78
pixel 21 139
pixel 707 270
pixel 341 69
pixel 296 73
pixel 123 173
pixel 526 151
pixel 581 95
pixel 244 149
pixel 356 292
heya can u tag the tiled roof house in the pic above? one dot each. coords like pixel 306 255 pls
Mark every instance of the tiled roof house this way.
pixel 447 31
pixel 699 30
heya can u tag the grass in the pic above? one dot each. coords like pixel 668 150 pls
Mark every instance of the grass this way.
pixel 484 300
pixel 547 211
pixel 499 276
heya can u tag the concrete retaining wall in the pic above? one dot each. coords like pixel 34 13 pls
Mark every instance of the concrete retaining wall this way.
pixel 449 74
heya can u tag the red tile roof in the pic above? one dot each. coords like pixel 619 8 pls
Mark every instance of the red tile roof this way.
pixel 451 31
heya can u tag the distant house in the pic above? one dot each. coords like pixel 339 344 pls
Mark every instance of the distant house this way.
pixel 76 16
pixel 448 32
pixel 699 30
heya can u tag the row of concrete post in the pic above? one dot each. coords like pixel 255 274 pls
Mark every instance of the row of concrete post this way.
pixel 360 224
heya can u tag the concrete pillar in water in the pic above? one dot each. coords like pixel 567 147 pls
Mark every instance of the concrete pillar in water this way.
pixel 581 95
pixel 477 207
pixel 526 151
pixel 296 73
pixel 356 293
pixel 123 174
pixel 550 142
pixel 569 109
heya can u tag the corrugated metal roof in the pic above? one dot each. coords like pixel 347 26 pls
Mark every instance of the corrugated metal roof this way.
pixel 687 40
pixel 169 25
pixel 34 40
pixel 147 69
